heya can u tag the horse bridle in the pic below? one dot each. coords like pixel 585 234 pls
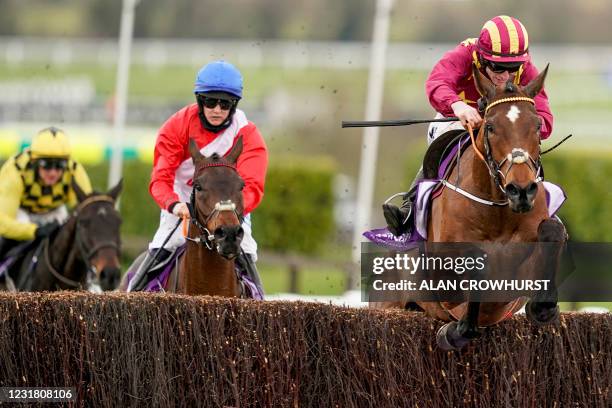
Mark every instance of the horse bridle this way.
pixel 85 253
pixel 516 156
pixel 206 237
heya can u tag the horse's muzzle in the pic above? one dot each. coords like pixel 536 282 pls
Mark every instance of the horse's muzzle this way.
pixel 228 240
pixel 521 199
pixel 109 278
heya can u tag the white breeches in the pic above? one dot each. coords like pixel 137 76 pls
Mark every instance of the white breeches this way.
pixel 438 128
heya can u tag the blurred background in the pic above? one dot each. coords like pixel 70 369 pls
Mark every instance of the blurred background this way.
pixel 305 66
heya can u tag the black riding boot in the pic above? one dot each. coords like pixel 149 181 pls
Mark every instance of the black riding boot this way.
pixel 400 220
pixel 141 277
pixel 6 245
pixel 245 261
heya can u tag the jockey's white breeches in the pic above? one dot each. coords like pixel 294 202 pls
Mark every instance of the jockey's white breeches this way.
pixel 60 214
pixel 438 128
pixel 167 221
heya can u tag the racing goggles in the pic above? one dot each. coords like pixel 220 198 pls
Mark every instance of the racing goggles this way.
pixel 50 164
pixel 501 67
pixel 211 103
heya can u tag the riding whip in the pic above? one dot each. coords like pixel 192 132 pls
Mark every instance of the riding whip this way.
pixel 136 284
pixel 555 146
pixel 397 122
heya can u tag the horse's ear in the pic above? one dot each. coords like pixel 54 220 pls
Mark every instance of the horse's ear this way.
pixel 78 191
pixel 115 191
pixel 483 84
pixel 232 157
pixel 195 152
pixel 535 86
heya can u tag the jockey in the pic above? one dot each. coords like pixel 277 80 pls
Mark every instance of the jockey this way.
pixel 215 123
pixel 501 54
pixel 36 187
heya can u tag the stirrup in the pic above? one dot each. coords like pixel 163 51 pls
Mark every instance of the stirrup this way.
pixel 395 195
pixel 405 221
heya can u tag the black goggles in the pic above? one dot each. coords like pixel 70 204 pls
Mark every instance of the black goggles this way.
pixel 499 67
pixel 50 164
pixel 211 103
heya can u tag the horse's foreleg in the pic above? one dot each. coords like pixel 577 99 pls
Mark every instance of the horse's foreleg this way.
pixel 542 308
pixel 455 335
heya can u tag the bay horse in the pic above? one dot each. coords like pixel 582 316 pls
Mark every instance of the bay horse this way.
pixel 501 166
pixel 85 250
pixel 213 232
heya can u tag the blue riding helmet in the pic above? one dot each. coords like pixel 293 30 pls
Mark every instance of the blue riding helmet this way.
pixel 219 76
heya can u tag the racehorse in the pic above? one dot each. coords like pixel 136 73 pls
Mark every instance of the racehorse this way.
pixel 85 250
pixel 503 166
pixel 214 232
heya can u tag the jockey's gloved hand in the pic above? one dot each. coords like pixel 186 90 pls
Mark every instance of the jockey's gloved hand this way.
pixel 180 209
pixel 46 229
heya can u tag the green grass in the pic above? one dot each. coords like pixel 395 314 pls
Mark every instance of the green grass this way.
pixel 326 282
pixel 175 82
pixel 404 88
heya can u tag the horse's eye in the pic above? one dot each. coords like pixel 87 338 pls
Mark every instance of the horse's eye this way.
pixel 489 127
pixel 197 187
pixel 538 127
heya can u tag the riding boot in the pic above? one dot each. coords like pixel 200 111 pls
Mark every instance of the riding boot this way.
pixel 150 261
pixel 3 249
pixel 400 220
pixel 6 246
pixel 245 261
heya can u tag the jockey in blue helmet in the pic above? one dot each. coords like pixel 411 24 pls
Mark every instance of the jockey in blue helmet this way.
pixel 222 80
pixel 218 88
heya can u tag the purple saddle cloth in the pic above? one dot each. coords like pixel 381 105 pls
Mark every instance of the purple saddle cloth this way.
pixel 157 283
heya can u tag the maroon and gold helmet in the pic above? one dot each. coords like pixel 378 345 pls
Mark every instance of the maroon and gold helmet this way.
pixel 504 39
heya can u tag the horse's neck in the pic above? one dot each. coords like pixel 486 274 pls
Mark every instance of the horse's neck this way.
pixel 205 272
pixel 63 251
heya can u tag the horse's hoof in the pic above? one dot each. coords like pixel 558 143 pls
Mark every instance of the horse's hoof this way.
pixel 445 338
pixel 542 316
